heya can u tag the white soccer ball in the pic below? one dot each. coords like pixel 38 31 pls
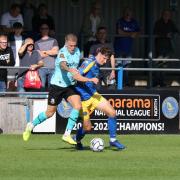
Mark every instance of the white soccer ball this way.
pixel 97 144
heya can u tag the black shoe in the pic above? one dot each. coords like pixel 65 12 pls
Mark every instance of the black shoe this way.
pixel 79 146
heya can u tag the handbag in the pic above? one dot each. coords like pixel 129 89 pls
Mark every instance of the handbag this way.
pixel 32 80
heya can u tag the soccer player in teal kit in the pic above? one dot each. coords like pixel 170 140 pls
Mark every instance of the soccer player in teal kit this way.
pixel 63 83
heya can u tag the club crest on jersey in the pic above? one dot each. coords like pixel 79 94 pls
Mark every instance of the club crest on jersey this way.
pixel 83 66
pixel 61 55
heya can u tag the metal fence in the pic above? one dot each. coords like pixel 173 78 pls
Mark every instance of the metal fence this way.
pixel 119 70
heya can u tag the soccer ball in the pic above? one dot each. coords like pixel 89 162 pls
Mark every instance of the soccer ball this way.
pixel 97 144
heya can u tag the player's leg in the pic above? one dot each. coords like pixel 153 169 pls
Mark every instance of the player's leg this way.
pixel 38 120
pixel 53 100
pixel 75 102
pixel 106 107
pixel 86 123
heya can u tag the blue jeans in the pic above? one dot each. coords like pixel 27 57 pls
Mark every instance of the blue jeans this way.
pixel 20 84
pixel 43 73
pixel 3 86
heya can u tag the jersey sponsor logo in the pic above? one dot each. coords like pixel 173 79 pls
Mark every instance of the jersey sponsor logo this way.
pixel 74 64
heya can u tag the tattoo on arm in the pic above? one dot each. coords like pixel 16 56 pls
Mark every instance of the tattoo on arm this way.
pixel 63 65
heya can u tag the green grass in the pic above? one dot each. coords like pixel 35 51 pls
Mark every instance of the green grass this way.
pixel 147 157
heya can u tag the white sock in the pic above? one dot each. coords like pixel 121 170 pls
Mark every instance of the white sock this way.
pixel 112 139
pixel 67 132
pixel 30 126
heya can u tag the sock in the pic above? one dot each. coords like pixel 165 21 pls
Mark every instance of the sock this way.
pixel 39 119
pixel 112 126
pixel 71 121
pixel 67 132
pixel 80 134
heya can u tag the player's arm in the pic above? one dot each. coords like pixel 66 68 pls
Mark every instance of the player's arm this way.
pixel 76 75
pixel 81 78
pixel 63 65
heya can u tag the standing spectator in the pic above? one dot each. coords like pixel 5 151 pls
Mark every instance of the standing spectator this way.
pixel 102 41
pixel 15 40
pixel 30 58
pixel 6 59
pixel 42 17
pixel 28 11
pixel 164 30
pixel 48 48
pixel 127 28
pixel 90 25
pixel 9 18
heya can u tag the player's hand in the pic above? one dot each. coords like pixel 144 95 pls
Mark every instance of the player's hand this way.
pixel 94 80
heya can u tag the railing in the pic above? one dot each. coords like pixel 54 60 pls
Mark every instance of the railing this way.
pixel 119 69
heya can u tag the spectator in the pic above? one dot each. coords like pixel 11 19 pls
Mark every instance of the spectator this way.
pixel 42 17
pixel 90 25
pixel 164 30
pixel 28 11
pixel 127 28
pixel 48 48
pixel 9 18
pixel 30 58
pixel 16 39
pixel 102 41
pixel 6 59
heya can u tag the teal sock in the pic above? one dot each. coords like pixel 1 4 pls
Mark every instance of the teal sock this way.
pixel 72 119
pixel 39 119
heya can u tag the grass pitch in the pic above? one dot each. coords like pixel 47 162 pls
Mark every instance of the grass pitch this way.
pixel 46 157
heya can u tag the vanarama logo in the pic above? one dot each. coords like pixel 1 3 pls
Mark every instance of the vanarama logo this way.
pixel 132 107
pixel 130 103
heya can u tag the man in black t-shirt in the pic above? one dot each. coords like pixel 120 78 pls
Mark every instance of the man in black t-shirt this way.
pixel 6 59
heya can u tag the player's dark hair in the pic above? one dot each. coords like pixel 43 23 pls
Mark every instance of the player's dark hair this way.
pixel 104 51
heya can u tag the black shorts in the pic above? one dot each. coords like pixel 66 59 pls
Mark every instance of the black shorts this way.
pixel 56 94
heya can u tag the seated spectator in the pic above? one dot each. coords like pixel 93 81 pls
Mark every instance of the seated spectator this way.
pixel 164 30
pixel 127 28
pixel 101 36
pixel 48 48
pixel 6 59
pixel 9 18
pixel 42 17
pixel 30 58
pixel 90 25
